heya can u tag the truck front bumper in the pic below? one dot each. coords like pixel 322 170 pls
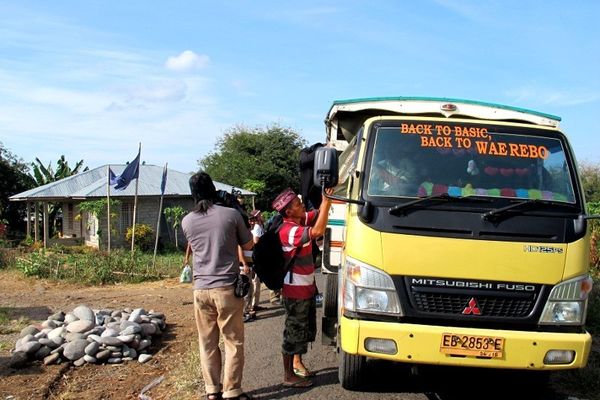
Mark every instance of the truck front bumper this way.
pixel 421 344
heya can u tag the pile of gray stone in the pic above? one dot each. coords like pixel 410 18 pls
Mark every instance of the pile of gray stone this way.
pixel 90 336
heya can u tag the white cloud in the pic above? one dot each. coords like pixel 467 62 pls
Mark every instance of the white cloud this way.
pixel 469 10
pixel 552 96
pixel 159 94
pixel 166 91
pixel 187 61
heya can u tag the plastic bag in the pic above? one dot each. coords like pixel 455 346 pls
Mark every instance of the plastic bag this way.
pixel 186 274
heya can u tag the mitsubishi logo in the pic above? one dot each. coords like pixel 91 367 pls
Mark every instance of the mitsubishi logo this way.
pixel 472 308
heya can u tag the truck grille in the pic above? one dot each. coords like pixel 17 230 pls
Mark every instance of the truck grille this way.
pixel 491 306
pixel 467 298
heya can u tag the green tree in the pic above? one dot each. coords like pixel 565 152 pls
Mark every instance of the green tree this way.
pixel 264 160
pixel 174 215
pixel 594 208
pixel 14 179
pixel 44 175
pixel 590 178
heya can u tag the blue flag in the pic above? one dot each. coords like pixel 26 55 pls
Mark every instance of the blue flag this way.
pixel 163 182
pixel 112 178
pixel 131 172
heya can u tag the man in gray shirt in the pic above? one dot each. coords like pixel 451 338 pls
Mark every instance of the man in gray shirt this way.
pixel 214 233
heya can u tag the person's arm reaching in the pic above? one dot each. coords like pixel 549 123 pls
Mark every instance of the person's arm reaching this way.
pixel 188 250
pixel 318 229
pixel 242 260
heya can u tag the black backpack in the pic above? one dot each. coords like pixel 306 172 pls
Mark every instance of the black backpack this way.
pixel 269 262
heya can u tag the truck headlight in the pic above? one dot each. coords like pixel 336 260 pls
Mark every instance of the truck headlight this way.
pixel 368 289
pixel 567 303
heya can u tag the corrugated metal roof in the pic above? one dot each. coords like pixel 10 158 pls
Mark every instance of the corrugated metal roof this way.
pixel 92 183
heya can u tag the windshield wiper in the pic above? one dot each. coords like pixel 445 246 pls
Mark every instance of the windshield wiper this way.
pixel 438 197
pixel 496 214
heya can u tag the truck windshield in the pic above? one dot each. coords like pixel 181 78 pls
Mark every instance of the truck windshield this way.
pixel 417 159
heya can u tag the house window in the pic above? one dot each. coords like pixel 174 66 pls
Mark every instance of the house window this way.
pixel 126 216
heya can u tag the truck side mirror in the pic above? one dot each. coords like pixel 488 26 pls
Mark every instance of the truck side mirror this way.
pixel 326 167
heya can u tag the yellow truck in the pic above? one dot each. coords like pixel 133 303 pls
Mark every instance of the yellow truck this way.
pixel 458 237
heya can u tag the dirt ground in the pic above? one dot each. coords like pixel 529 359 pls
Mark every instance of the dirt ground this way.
pixel 36 300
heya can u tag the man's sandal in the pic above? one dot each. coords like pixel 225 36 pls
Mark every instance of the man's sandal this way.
pixel 214 396
pixel 243 396
pixel 303 373
pixel 304 383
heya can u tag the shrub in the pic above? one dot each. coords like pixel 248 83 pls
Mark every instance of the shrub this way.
pixel 28 241
pixel 144 237
pixel 7 258
pixel 79 249
pixel 37 263
pixel 94 267
pixel 594 208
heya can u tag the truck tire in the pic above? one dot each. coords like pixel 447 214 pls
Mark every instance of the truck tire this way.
pixel 351 369
pixel 330 299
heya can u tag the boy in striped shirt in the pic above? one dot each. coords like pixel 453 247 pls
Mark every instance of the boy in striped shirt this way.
pixel 296 234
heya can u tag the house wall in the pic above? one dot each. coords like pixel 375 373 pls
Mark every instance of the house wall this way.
pixel 72 226
pixel 147 213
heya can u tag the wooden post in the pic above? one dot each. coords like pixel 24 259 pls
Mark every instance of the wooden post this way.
pixel 36 222
pixel 81 217
pixel 108 208
pixel 160 206
pixel 28 219
pixel 45 222
pixel 137 181
pixel 134 215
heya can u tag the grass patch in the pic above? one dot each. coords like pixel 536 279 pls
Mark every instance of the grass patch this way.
pixel 89 266
pixel 187 377
pixel 8 325
pixel 5 346
pixel 3 316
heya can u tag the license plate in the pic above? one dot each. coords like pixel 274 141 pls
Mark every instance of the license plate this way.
pixel 471 345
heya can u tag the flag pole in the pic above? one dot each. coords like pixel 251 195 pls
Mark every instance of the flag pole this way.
pixel 162 195
pixel 108 206
pixel 137 180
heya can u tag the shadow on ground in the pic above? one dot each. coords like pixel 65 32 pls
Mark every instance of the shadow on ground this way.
pixel 32 313
pixel 270 313
pixel 7 370
pixel 452 383
pixel 323 377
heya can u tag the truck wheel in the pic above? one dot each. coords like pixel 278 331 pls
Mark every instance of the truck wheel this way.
pixel 351 369
pixel 331 296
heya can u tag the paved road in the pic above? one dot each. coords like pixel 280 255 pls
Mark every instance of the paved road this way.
pixel 263 372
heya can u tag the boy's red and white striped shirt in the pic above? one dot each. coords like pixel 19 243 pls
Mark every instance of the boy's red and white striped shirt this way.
pixel 299 283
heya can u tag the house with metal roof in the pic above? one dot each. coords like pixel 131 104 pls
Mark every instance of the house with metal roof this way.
pixel 93 185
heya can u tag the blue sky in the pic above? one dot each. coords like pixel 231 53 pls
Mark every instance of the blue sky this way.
pixel 92 79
